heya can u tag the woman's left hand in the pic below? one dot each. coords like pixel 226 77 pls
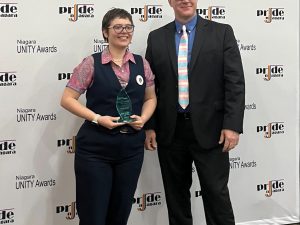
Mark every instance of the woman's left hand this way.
pixel 138 122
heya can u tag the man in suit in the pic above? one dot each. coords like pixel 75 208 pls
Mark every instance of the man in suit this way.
pixel 207 128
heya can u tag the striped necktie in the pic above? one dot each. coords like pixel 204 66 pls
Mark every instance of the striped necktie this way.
pixel 183 81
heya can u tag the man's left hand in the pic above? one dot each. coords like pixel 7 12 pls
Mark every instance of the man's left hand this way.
pixel 230 139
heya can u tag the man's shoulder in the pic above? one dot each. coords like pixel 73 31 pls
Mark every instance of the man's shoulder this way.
pixel 163 28
pixel 213 24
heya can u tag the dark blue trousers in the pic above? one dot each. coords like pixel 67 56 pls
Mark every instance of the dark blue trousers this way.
pixel 107 170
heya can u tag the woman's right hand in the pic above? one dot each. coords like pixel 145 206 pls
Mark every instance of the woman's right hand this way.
pixel 109 122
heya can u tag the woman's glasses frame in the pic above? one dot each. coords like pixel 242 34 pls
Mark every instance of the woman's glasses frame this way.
pixel 119 28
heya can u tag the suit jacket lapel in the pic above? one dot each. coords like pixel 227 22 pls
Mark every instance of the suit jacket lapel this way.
pixel 170 42
pixel 199 40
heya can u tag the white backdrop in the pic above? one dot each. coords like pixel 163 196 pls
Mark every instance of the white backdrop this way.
pixel 42 41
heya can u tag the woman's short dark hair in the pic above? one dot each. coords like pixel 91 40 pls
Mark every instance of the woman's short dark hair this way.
pixel 113 14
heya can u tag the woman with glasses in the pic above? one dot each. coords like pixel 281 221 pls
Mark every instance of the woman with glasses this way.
pixel 110 149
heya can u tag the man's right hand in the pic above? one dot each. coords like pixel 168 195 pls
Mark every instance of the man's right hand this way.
pixel 150 142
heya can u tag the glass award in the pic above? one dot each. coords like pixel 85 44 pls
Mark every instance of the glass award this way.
pixel 124 107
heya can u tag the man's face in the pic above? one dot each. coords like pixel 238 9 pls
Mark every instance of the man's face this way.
pixel 184 9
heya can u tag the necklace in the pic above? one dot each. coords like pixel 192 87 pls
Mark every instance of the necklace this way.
pixel 117 60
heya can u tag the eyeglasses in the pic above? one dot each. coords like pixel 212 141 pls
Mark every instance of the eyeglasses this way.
pixel 118 28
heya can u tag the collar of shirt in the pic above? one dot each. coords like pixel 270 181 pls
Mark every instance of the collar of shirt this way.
pixel 107 58
pixel 189 26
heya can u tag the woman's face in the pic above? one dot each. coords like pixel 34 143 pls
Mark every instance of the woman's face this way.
pixel 119 33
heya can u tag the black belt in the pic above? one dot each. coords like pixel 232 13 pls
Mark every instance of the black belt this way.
pixel 125 129
pixel 184 116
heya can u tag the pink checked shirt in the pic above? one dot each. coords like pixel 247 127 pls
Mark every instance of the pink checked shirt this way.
pixel 83 74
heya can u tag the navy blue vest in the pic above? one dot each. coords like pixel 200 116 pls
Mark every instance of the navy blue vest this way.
pixel 101 96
